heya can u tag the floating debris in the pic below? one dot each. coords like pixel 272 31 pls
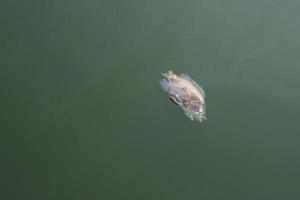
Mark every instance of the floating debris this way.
pixel 186 93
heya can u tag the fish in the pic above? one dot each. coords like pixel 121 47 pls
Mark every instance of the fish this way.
pixel 186 93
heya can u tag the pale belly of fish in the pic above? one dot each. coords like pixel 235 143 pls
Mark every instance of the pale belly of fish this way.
pixel 186 93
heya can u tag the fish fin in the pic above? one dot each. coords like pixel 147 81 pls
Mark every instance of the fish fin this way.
pixel 174 100
pixel 168 74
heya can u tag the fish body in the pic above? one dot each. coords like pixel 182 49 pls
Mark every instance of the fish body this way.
pixel 185 92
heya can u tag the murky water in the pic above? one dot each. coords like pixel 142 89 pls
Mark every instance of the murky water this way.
pixel 85 117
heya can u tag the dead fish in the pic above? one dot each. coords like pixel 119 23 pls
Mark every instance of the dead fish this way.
pixel 186 93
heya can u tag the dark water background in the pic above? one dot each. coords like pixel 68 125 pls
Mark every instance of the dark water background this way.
pixel 83 116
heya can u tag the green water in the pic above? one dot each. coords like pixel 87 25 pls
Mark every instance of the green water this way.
pixel 84 117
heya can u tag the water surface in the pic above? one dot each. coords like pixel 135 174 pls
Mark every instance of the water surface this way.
pixel 84 116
